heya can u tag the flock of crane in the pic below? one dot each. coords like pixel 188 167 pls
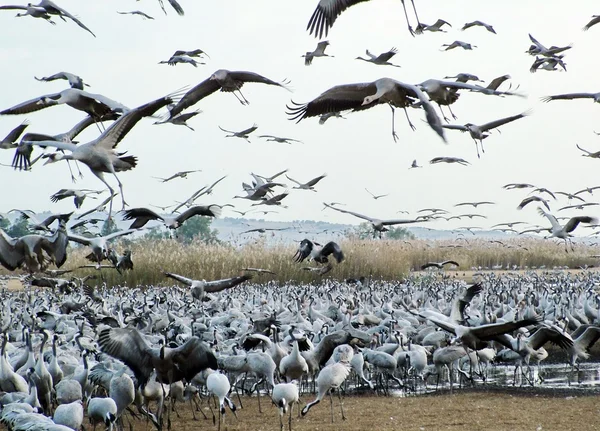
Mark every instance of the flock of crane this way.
pixel 115 350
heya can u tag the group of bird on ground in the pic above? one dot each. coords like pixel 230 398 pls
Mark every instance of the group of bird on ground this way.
pixel 126 353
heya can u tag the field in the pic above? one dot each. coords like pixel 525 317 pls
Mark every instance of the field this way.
pixel 511 409
pixel 388 260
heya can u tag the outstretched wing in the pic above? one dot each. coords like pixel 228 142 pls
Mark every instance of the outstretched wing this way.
pixel 574 222
pixel 203 210
pixel 180 278
pixel 303 251
pixel 127 345
pixel 14 134
pixel 117 130
pixel 364 217
pixel 333 248
pixel 219 285
pixel 10 257
pixel 325 15
pixel 54 9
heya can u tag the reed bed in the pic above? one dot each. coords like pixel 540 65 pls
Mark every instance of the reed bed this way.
pixel 381 259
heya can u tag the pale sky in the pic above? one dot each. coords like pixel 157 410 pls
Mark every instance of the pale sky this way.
pixel 269 37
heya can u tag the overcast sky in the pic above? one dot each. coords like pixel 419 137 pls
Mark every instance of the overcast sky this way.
pixel 269 37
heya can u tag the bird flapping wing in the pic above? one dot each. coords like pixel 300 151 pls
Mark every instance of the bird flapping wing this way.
pixel 303 251
pixel 325 15
pixel 502 121
pixel 14 134
pixel 456 127
pixel 333 248
pixel 53 8
pixel 32 105
pixel 194 95
pixel 141 216
pixel 552 334
pixel 117 130
pixel 10 257
pixel 488 332
pixel 203 210
pixel 364 217
pixel 550 217
pixel 574 222
pixel 127 345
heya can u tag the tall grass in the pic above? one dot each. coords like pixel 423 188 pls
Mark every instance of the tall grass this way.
pixel 390 260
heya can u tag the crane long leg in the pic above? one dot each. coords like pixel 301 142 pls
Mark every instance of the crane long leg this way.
pixel 243 100
pixel 416 14
pixel 477 147
pixel 394 135
pixel 412 126
pixel 407 20
pixel 100 176
pixel 446 119
pixel 450 109
pixel 120 189
pixel 341 404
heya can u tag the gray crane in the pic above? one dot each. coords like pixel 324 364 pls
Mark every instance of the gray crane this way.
pixel 458 44
pixel 74 80
pixel 99 155
pixel 478 23
pixel 377 224
pixel 366 95
pixel 458 160
pixel 564 232
pixel 243 134
pixel 309 185
pixel 141 216
pixel 223 80
pixel 381 59
pixel 318 52
pixel 477 132
pixel 137 12
pixel 328 11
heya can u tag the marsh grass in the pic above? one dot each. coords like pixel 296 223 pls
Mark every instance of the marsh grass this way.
pixel 388 260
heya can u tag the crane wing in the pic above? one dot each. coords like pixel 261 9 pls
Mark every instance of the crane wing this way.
pixel 325 15
pixel 203 210
pixel 219 285
pixel 180 278
pixel 364 217
pixel 117 131
pixel 54 9
pixel 14 134
pixel 10 257
pixel 127 345
pixel 497 123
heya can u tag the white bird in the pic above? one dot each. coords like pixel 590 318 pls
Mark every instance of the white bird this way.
pixel 102 410
pixel 330 377
pixel 458 44
pixel 70 415
pixel 218 385
pixel 284 396
pixel 564 232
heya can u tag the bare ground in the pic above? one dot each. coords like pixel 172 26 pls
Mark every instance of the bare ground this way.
pixel 472 410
